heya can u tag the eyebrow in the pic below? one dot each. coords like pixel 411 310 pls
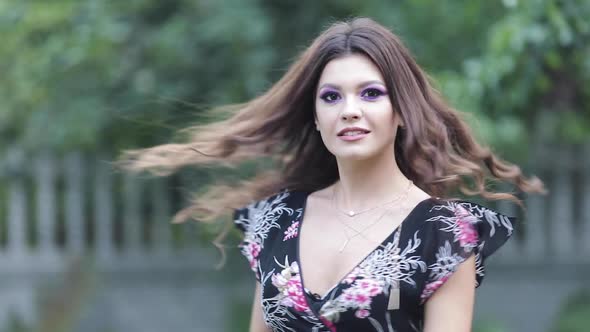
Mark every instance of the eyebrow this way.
pixel 362 84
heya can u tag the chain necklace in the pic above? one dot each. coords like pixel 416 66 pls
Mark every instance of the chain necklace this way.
pixel 357 232
pixel 352 213
pixel 361 232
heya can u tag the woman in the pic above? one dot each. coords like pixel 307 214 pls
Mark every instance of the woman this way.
pixel 358 231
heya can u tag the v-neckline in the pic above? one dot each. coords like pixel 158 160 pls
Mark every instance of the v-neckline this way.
pixel 331 289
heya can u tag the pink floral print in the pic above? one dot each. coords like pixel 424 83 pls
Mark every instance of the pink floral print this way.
pixel 431 287
pixel 350 278
pixel 291 231
pixel 328 324
pixel 467 234
pixel 251 250
pixel 288 282
pixel 358 296
pixel 362 313
pixel 415 262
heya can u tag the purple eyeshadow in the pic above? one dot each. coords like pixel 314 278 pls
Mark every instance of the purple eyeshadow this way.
pixel 376 87
pixel 373 88
pixel 331 95
pixel 324 93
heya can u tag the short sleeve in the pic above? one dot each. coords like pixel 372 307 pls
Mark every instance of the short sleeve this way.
pixel 249 246
pixel 455 231
pixel 240 218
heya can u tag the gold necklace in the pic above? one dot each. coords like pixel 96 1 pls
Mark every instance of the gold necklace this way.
pixel 361 232
pixel 352 213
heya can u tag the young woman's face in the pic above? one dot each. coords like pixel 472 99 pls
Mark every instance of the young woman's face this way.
pixel 351 93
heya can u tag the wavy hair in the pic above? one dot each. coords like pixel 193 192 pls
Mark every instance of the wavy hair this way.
pixel 435 149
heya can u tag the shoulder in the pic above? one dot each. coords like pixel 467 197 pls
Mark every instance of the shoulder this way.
pixel 453 231
pixel 452 211
pixel 464 226
pixel 265 210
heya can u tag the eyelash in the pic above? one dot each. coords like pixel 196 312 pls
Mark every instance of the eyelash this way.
pixel 326 95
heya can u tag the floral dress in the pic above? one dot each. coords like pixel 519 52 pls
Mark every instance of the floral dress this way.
pixel 388 289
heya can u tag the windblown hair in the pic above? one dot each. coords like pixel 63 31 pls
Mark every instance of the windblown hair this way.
pixel 435 149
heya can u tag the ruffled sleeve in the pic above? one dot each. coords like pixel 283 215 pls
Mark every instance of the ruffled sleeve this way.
pixel 249 246
pixel 455 231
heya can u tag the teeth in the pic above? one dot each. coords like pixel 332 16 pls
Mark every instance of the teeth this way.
pixel 352 133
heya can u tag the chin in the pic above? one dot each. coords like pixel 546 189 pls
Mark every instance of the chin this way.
pixel 354 156
pixel 360 154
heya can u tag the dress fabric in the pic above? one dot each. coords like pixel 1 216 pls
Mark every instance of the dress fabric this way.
pixel 387 290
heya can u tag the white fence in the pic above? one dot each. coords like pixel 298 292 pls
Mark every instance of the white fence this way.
pixel 54 209
pixel 556 226
pixel 56 212
pixel 83 206
pixel 548 259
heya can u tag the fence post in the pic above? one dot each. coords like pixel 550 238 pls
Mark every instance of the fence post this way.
pixel 132 220
pixel 74 203
pixel 17 206
pixel 103 210
pixel 45 173
pixel 535 245
pixel 560 223
pixel 161 217
pixel 536 235
pixel 585 213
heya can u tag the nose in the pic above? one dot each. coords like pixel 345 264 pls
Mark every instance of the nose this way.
pixel 351 110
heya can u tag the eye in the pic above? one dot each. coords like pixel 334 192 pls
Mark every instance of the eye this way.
pixel 372 93
pixel 330 97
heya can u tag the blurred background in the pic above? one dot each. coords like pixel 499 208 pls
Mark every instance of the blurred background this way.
pixel 84 247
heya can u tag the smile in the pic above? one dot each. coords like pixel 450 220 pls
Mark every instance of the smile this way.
pixel 353 135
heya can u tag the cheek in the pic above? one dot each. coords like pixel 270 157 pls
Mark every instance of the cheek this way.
pixel 323 116
pixel 384 120
pixel 383 113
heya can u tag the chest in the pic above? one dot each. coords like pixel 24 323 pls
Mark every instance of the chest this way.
pixel 309 284
pixel 331 247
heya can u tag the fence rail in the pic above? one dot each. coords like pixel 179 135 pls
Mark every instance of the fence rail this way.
pixel 74 205
pixel 59 208
pixel 55 209
pixel 554 228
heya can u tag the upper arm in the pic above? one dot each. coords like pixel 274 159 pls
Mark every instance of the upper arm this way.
pixel 450 308
pixel 256 320
pixel 460 236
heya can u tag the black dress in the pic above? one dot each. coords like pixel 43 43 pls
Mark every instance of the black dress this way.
pixel 387 290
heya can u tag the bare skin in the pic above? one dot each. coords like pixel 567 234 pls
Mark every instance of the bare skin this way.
pixel 257 319
pixel 322 235
pixel 350 93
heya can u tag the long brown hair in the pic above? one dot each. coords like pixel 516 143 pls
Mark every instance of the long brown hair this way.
pixel 435 149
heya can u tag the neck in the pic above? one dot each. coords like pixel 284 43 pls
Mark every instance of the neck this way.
pixel 366 183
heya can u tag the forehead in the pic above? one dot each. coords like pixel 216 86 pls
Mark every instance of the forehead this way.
pixel 349 70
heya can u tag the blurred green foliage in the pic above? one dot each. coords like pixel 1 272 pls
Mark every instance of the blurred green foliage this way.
pixel 59 302
pixel 575 313
pixel 532 75
pixel 119 74
pixel 108 75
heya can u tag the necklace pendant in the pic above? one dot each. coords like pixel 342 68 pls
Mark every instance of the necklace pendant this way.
pixel 343 245
pixel 351 213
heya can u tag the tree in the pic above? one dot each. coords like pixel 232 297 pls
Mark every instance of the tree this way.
pixel 92 74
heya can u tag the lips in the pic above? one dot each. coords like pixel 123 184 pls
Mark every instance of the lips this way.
pixel 358 130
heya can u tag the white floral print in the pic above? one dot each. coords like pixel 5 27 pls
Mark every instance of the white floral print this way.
pixel 290 295
pixel 462 225
pixel 260 218
pixel 291 232
pixel 288 282
pixel 415 262
pixel 383 268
